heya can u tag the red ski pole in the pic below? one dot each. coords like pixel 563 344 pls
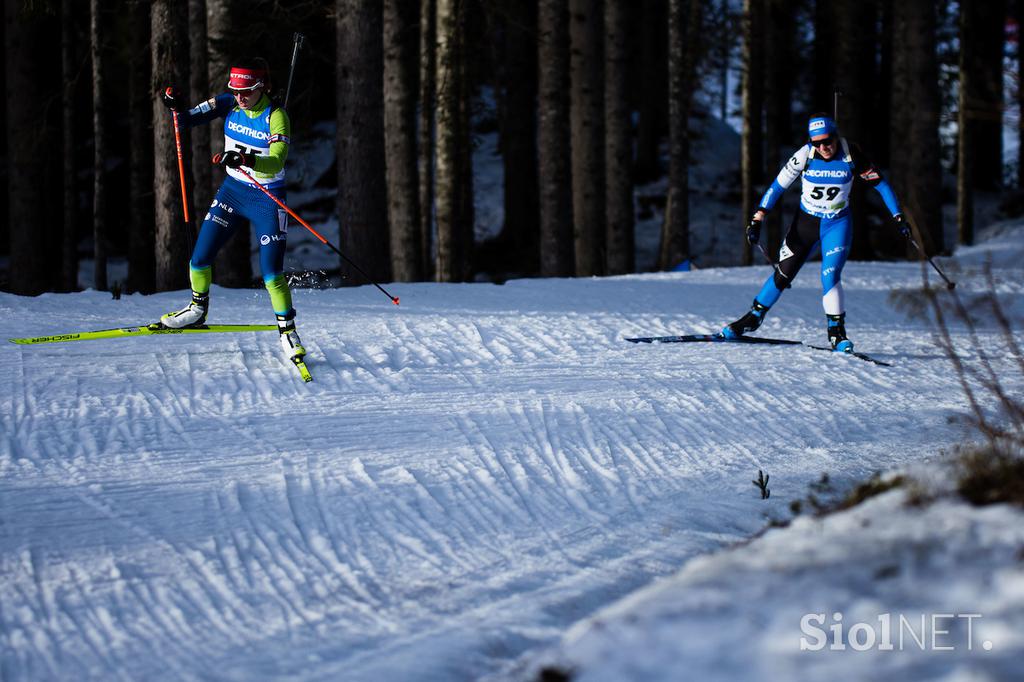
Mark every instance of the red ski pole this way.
pixel 181 165
pixel 394 299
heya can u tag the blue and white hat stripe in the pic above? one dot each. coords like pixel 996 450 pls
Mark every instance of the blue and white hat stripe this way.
pixel 820 125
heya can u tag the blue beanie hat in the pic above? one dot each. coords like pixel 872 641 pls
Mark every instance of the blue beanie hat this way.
pixel 820 125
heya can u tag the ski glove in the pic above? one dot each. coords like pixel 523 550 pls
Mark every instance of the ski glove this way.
pixel 754 231
pixel 172 99
pixel 902 225
pixel 231 159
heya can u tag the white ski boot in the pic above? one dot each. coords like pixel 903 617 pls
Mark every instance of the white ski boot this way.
pixel 192 315
pixel 290 342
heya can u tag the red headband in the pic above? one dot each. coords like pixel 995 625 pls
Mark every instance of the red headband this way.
pixel 246 79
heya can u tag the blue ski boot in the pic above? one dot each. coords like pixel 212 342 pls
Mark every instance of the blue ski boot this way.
pixel 837 333
pixel 746 324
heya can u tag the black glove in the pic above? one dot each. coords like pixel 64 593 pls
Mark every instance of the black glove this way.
pixel 902 225
pixel 753 231
pixel 231 159
pixel 172 99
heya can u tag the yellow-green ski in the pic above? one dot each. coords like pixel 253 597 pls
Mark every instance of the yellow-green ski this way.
pixel 144 330
pixel 300 364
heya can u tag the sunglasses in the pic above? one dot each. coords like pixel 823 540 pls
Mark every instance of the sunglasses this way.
pixel 824 141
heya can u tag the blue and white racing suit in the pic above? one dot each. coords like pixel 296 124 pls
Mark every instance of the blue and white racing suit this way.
pixel 824 217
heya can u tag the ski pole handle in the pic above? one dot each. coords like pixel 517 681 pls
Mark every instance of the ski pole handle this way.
pixel 323 240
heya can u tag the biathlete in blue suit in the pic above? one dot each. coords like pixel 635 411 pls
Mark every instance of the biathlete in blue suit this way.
pixel 827 165
pixel 256 138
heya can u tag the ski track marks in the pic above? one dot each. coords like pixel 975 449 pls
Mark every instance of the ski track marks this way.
pixel 455 487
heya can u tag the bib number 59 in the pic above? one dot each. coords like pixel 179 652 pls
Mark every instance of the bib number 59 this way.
pixel 817 192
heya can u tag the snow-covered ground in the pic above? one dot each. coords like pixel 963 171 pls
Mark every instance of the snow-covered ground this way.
pixel 470 474
pixel 883 591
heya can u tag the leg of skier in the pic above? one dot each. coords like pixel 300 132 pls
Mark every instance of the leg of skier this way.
pixel 271 226
pixel 836 237
pixel 796 246
pixel 220 222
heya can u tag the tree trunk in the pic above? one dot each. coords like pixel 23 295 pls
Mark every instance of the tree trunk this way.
pixel 199 87
pixel 448 181
pixel 141 244
pixel 916 171
pixel 969 71
pixel 400 138
pixel 362 202
pixel 683 29
pixel 882 104
pixel 854 75
pixel 32 213
pixel 824 53
pixel 619 148
pixel 466 220
pixel 751 160
pixel 99 158
pixel 233 265
pixel 553 165
pixel 725 56
pixel 983 26
pixel 428 105
pixel 220 36
pixel 653 108
pixel 69 240
pixel 587 117
pixel 514 26
pixel 169 41
pixel 780 26
pixel 1018 7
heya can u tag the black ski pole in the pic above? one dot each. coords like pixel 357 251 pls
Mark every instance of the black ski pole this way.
pixel 949 284
pixel 298 38
pixel 775 266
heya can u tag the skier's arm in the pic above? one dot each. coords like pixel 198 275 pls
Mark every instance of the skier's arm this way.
pixel 204 112
pixel 280 138
pixel 870 175
pixel 790 172
pixel 888 196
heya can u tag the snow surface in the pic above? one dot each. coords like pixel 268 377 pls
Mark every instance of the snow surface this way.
pixel 932 593
pixel 470 474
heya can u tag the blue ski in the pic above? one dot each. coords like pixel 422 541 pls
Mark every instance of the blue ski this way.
pixel 713 338
pixel 718 338
pixel 854 353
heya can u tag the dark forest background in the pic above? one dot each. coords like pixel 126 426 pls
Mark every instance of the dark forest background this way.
pixel 590 97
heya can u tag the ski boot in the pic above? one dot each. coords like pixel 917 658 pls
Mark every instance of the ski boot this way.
pixel 290 342
pixel 192 315
pixel 748 323
pixel 837 333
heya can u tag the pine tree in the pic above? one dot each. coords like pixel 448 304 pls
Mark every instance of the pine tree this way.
pixel 99 193
pixel 916 169
pixel 553 165
pixel 400 138
pixel 169 44
pixel 362 204
pixel 141 245
pixel 618 125
pixel 586 32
